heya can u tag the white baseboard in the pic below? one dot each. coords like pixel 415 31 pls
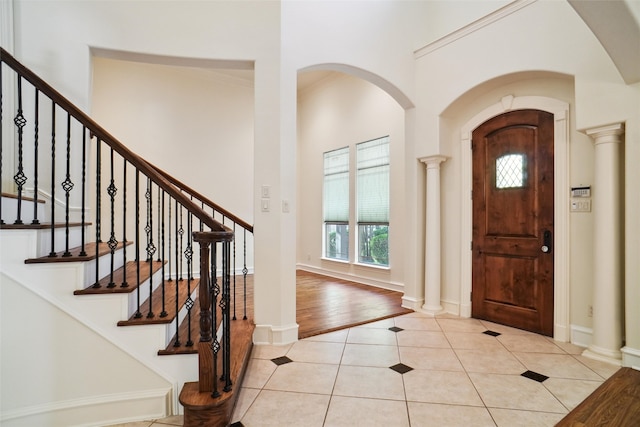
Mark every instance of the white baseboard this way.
pixel 94 411
pixel 631 357
pixel 269 335
pixel 398 287
pixel 451 307
pixel 581 336
pixel 412 303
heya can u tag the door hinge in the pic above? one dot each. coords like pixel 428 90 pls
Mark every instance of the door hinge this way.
pixel 471 245
pixel 471 296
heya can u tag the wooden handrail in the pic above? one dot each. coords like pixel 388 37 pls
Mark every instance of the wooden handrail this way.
pixel 151 171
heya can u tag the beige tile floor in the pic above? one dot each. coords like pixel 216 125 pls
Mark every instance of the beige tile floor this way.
pixel 460 376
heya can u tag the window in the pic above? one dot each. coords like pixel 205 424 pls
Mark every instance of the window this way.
pixel 511 171
pixel 336 204
pixel 373 201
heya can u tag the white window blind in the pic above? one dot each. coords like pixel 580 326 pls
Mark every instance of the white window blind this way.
pixel 373 181
pixel 336 185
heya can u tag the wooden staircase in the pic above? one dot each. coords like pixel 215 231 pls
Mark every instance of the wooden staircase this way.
pixel 138 253
pixel 200 409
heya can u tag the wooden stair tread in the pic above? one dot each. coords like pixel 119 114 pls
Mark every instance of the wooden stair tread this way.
pixel 183 331
pixel 90 250
pixel 131 270
pixel 41 226
pixel 24 198
pixel 201 409
pixel 615 403
pixel 168 313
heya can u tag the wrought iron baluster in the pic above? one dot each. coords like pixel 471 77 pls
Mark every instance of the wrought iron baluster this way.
pixel 113 242
pixel 84 177
pixel 151 249
pixel 214 290
pixel 226 315
pixel 98 212
pixel 188 253
pixel 124 283
pixel 159 223
pixel 180 234
pixel 137 314
pixel 67 186
pixel 20 178
pixel 52 253
pixel 36 128
pixel 234 272
pixel 244 273
pixel 169 276
pixel 98 190
pixel 177 342
pixel 161 258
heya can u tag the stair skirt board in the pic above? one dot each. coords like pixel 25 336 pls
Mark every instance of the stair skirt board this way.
pixel 94 411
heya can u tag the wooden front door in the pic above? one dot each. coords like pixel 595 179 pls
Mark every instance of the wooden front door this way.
pixel 512 279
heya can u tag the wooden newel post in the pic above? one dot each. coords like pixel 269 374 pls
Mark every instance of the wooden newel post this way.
pixel 205 357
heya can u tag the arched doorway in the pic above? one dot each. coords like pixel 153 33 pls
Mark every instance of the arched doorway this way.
pixel 559 110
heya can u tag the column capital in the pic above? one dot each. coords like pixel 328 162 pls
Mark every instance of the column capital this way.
pixel 433 161
pixel 604 134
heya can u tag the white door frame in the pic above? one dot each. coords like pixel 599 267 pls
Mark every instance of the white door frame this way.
pixel 560 111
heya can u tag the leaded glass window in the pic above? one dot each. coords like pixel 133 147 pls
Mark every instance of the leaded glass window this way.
pixel 511 171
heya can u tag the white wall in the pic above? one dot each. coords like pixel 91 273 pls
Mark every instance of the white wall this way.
pixel 47 381
pixel 196 124
pixel 457 76
pixel 375 40
pixel 338 112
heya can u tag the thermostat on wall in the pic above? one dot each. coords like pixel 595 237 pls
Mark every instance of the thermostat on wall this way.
pixel 580 191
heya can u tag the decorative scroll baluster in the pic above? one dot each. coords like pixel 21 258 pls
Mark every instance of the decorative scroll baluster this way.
pixel 36 126
pixel 151 249
pixel 20 178
pixel 52 254
pixel 164 311
pixel 67 186
pixel 84 177
pixel 188 253
pixel 113 242
pixel 124 283
pixel 137 314
pixel 179 266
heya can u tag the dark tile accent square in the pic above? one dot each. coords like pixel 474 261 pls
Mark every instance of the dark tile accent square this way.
pixel 281 360
pixel 535 376
pixel 492 333
pixel 395 329
pixel 401 368
pixel 237 424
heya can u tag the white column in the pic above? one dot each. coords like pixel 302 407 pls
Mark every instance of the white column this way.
pixel 432 236
pixel 606 340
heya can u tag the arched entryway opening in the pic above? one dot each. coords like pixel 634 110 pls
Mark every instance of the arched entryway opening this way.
pixel 339 109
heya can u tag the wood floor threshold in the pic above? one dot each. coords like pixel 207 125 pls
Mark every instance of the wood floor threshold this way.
pixel 616 403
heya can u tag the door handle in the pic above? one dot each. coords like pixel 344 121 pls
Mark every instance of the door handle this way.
pixel 546 241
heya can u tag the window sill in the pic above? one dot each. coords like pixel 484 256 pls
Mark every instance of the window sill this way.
pixel 340 261
pixel 377 267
